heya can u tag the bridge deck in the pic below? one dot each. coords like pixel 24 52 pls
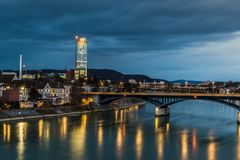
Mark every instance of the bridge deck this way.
pixel 164 99
pixel 161 94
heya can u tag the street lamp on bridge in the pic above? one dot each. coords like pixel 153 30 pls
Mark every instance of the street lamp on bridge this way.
pixel 186 85
pixel 213 86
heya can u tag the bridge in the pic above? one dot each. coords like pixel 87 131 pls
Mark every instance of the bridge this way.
pixel 164 100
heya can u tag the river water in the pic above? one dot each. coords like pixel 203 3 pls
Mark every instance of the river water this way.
pixel 196 129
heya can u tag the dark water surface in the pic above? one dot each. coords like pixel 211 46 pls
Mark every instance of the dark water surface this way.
pixel 196 129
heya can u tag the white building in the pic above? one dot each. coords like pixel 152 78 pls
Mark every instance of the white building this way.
pixel 58 94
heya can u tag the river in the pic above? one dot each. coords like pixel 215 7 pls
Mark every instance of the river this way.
pixel 196 129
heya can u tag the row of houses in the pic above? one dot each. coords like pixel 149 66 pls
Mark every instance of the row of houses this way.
pixel 12 90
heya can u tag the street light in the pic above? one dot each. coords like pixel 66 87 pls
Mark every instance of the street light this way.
pixel 186 85
pixel 213 86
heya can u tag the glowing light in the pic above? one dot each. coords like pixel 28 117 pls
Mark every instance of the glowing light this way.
pixel 78 138
pixel 63 128
pixel 211 151
pixel 139 143
pixel 121 115
pixel 116 115
pixel 21 134
pixel 238 144
pixel 156 123
pixel 121 134
pixel 167 127
pixel 87 101
pixel 40 129
pixel 6 132
pixel 194 141
pixel 100 136
pixel 184 142
pixel 81 58
pixel 47 131
pixel 119 139
pixel 160 146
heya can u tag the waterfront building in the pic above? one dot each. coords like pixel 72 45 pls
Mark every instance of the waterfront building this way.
pixel 10 95
pixel 80 58
pixel 57 93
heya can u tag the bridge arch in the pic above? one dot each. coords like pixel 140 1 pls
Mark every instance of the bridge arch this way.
pixel 160 102
pixel 109 100
pixel 164 100
pixel 229 104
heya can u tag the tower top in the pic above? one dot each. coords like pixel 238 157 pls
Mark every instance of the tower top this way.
pixel 80 40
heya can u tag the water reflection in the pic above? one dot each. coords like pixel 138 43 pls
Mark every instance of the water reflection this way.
pixel 22 135
pixel 211 149
pixel 194 141
pixel 121 115
pixel 162 128
pixel 6 132
pixel 134 108
pixel 63 126
pixel 44 131
pixel 139 143
pixel 121 134
pixel 184 144
pixel 238 142
pixel 167 127
pixel 100 137
pixel 160 144
pixel 116 115
pixel 40 129
pixel 78 138
pixel 156 123
pixel 128 134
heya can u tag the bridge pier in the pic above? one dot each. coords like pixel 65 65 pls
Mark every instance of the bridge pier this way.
pixel 162 111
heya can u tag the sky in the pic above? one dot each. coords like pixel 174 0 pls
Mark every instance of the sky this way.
pixel 168 39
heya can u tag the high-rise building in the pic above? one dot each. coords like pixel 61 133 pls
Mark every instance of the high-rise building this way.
pixel 80 58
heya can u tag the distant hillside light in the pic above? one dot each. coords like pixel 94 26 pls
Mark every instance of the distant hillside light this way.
pixel 80 58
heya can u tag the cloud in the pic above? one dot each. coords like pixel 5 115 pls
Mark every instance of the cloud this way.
pixel 159 34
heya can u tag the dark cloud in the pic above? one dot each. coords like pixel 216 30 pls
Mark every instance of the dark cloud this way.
pixel 117 32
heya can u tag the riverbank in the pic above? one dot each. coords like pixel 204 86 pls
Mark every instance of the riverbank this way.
pixel 71 113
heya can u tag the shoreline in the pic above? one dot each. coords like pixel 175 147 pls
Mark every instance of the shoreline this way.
pixel 10 119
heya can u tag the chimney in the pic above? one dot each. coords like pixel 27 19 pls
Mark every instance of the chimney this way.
pixel 20 67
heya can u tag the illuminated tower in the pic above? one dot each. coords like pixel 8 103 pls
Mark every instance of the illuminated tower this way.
pixel 80 58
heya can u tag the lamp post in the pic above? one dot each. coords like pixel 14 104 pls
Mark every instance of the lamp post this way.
pixel 186 85
pixel 213 86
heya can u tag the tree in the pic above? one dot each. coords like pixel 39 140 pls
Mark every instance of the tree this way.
pixel 58 78
pixel 34 94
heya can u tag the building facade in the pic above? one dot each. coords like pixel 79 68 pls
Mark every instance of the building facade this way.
pixel 80 58
pixel 10 95
pixel 58 94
